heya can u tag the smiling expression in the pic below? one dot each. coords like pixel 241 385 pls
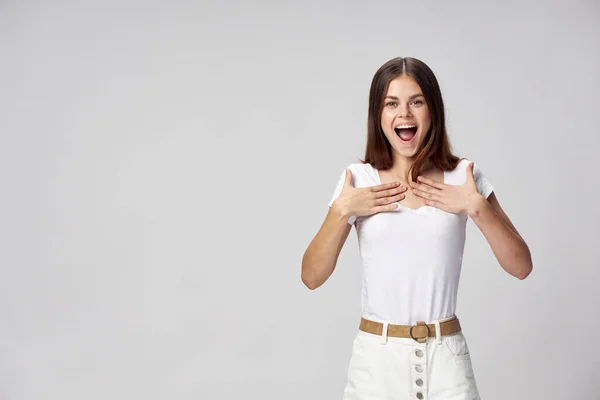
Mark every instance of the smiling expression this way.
pixel 405 105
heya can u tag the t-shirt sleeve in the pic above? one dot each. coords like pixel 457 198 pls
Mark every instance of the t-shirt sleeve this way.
pixel 338 190
pixel 484 186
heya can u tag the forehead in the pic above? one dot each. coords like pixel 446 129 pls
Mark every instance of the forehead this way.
pixel 403 86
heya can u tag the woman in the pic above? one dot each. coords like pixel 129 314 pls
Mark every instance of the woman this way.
pixel 409 200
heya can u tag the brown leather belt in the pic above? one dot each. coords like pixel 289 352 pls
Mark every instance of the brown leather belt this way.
pixel 419 332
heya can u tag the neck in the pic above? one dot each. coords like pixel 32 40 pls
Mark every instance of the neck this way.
pixel 403 164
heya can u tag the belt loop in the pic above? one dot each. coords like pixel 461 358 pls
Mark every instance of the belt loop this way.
pixel 384 333
pixel 438 331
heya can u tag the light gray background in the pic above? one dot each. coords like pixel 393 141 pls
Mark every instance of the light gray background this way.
pixel 166 164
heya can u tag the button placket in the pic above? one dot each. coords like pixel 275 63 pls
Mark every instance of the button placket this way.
pixel 420 384
pixel 418 373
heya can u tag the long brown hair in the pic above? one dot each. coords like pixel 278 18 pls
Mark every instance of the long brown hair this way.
pixel 436 146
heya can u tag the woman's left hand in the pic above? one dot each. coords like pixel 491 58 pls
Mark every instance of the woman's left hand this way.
pixel 450 198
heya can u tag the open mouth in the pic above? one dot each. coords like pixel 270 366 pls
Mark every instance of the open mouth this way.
pixel 406 132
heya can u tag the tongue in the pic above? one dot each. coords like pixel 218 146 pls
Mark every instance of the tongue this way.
pixel 406 134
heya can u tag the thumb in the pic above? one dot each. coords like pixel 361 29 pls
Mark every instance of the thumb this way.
pixel 348 180
pixel 470 176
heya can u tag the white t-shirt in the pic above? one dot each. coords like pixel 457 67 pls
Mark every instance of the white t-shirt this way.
pixel 411 258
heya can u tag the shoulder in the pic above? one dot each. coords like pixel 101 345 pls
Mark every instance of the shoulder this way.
pixel 462 165
pixel 459 171
pixel 360 168
pixel 484 185
pixel 362 174
pixel 458 174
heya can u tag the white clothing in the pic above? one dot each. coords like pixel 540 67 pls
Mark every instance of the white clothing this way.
pixel 411 258
pixel 401 369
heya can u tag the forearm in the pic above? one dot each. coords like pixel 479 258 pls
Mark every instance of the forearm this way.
pixel 510 249
pixel 321 256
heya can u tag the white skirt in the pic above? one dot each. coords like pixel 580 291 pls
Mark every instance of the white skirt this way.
pixel 402 369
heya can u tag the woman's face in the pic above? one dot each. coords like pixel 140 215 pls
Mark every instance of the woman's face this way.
pixel 404 106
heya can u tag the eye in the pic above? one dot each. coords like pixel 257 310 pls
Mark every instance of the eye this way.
pixel 390 103
pixel 418 102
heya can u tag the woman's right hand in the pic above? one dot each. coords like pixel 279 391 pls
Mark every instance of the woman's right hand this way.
pixel 370 200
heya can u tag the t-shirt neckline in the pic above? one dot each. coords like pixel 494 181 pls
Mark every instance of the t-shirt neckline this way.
pixel 415 210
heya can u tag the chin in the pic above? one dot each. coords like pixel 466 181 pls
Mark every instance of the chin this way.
pixel 409 155
pixel 408 151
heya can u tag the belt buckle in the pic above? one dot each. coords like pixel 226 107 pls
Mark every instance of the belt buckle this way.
pixel 420 339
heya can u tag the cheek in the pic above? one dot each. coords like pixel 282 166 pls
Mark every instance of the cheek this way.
pixel 425 122
pixel 386 120
pixel 426 116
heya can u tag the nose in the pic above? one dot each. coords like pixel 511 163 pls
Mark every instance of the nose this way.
pixel 403 111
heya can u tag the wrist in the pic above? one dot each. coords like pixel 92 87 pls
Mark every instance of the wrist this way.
pixel 340 211
pixel 477 206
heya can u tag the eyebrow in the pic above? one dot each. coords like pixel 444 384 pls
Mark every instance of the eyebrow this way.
pixel 410 98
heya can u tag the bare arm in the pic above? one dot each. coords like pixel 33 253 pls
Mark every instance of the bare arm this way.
pixel 508 246
pixel 321 256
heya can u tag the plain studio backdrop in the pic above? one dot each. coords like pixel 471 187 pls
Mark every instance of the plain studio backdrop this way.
pixel 165 164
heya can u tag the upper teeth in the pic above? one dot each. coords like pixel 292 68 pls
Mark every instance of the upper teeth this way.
pixel 405 126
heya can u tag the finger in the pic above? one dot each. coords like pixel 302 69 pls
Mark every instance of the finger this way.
pixel 390 192
pixel 427 194
pixel 470 171
pixel 390 207
pixel 389 199
pixel 430 182
pixel 348 178
pixel 434 203
pixel 425 188
pixel 470 180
